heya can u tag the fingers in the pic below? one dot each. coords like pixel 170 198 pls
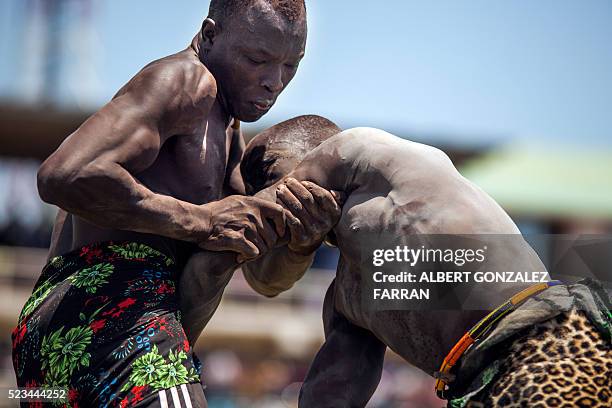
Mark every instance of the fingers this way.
pixel 249 226
pixel 314 197
pixel 322 207
pixel 299 201
pixel 274 212
pixel 268 233
pixel 291 205
pixel 232 241
pixel 339 196
pixel 300 218
pixel 288 200
pixel 328 201
pixel 296 228
pixel 261 233
pixel 302 193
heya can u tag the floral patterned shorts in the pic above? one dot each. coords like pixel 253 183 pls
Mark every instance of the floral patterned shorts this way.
pixel 103 322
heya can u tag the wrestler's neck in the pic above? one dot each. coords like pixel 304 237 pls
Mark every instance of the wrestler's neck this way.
pixel 219 113
pixel 219 110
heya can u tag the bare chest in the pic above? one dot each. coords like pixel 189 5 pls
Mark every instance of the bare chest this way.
pixel 191 168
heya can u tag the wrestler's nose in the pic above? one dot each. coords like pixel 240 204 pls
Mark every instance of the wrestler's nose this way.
pixel 273 80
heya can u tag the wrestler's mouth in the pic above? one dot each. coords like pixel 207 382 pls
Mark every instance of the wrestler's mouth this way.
pixel 263 104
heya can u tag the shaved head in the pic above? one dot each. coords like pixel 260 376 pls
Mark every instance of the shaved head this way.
pixel 221 10
pixel 276 151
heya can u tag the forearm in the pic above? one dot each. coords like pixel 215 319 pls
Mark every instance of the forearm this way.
pixel 277 271
pixel 201 288
pixel 131 206
pixel 61 236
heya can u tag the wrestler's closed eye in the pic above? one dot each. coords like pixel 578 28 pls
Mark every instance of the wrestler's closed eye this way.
pixel 256 61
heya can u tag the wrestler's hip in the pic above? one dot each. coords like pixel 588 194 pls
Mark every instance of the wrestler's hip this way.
pixel 102 274
pixel 104 360
pixel 97 317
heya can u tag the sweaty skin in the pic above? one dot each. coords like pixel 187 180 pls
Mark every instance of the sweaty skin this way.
pixel 158 164
pixel 394 188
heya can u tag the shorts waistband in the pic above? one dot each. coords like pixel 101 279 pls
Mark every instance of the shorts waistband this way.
pixel 126 249
pixel 106 251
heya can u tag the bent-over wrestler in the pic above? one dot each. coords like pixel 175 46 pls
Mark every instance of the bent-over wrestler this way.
pixel 553 349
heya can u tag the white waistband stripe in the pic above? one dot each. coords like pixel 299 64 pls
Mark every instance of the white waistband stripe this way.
pixel 162 399
pixel 186 396
pixel 175 398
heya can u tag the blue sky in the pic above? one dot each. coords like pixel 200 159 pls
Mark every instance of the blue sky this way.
pixel 475 69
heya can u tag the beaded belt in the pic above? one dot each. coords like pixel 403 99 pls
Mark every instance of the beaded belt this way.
pixel 443 376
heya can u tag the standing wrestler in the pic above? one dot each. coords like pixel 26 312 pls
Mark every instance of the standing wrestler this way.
pixel 141 185
pixel 553 349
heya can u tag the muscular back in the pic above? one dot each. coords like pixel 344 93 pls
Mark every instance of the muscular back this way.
pixel 397 188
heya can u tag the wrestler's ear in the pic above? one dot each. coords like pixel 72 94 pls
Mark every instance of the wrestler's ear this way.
pixel 209 32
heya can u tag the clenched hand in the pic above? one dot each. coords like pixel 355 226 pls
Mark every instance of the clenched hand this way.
pixel 312 213
pixel 249 226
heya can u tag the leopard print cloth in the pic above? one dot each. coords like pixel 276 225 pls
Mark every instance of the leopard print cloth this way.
pixel 563 362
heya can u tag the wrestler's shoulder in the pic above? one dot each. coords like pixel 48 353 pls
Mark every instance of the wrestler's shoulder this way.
pixel 352 143
pixel 181 76
pixel 365 135
pixel 380 143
